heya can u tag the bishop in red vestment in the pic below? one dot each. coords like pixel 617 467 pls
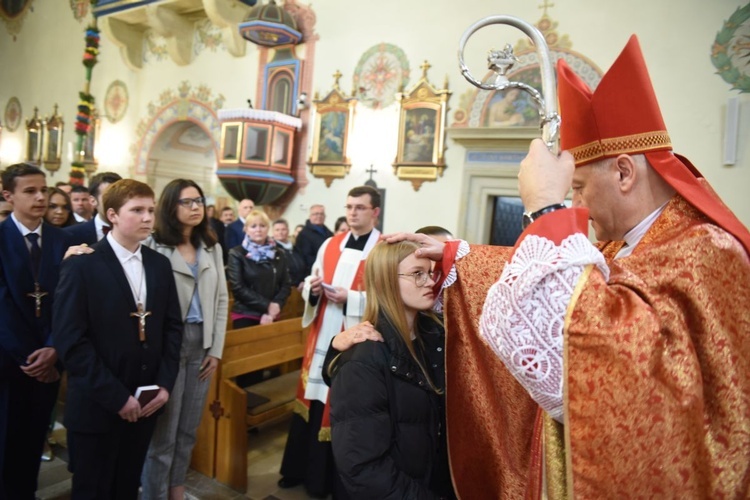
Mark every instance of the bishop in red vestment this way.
pixel 620 370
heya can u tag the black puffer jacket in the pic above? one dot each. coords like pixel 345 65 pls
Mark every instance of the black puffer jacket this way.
pixel 388 425
pixel 257 284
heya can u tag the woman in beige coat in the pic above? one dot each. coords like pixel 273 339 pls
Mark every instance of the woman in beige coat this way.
pixel 183 234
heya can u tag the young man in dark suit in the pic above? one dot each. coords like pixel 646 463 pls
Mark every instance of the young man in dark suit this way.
pixel 97 227
pixel 120 328
pixel 30 255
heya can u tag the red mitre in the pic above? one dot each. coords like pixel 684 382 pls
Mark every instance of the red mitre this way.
pixel 622 116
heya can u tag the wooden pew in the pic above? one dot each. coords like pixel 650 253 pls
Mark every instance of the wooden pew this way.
pixel 221 449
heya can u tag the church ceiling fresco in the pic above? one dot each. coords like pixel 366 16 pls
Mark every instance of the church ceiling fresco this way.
pixel 187 103
pixel 730 53
pixel 207 36
pixel 513 108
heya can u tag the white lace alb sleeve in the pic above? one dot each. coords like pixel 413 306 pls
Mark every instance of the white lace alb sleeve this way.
pixel 524 313
pixel 462 251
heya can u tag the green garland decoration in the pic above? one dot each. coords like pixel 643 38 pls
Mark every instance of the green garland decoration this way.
pixel 720 51
pixel 86 102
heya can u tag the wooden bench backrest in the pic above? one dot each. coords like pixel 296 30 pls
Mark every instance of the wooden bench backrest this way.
pixel 258 347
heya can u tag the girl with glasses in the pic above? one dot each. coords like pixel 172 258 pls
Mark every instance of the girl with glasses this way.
pixel 387 398
pixel 182 233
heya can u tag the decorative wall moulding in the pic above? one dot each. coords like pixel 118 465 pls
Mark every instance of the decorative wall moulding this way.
pixel 116 101
pixel 13 114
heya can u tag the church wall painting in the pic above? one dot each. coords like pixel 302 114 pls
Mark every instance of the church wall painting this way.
pixel 730 53
pixel 187 103
pixel 511 108
pixel 12 114
pixel 382 71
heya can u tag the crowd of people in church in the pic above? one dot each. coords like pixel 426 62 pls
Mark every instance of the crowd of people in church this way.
pixel 616 369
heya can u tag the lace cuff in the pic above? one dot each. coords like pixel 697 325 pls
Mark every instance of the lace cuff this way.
pixel 524 313
pixel 450 278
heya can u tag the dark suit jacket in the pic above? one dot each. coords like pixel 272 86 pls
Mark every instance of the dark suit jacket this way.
pixel 234 234
pixel 85 232
pixel 97 339
pixel 21 332
pixel 308 242
pixel 220 231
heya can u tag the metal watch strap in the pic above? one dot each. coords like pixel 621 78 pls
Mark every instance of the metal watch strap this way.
pixel 528 218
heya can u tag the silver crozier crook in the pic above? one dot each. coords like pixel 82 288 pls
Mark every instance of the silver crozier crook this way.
pixel 501 61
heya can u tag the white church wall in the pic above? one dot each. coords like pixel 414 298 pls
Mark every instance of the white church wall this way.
pixel 42 67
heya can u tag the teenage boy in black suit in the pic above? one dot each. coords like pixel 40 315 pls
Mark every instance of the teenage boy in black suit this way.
pixel 30 255
pixel 120 327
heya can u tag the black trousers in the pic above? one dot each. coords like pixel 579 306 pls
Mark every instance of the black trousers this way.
pixel 108 465
pixel 25 409
pixel 310 460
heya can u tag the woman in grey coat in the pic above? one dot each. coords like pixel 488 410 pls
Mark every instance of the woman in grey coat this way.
pixel 183 234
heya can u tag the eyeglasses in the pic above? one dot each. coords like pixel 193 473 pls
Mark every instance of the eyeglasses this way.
pixel 421 277
pixel 188 202
pixel 318 214
pixel 356 208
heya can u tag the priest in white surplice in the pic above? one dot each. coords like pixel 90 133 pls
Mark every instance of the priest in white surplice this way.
pixel 334 300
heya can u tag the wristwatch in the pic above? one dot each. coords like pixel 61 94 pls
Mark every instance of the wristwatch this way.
pixel 529 217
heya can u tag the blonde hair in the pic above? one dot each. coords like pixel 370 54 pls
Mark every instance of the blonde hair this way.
pixel 257 214
pixel 384 295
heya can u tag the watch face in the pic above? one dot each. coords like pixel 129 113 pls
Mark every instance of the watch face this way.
pixel 526 220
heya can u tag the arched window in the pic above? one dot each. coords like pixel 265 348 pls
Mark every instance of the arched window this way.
pixel 281 92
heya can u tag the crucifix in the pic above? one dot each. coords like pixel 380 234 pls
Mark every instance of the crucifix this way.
pixel 37 295
pixel 141 315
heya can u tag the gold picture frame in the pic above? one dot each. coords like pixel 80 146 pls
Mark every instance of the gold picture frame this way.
pixel 421 132
pixel 53 142
pixel 34 138
pixel 333 123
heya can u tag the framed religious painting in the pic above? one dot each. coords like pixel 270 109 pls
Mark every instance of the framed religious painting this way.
pixel 53 144
pixel 34 138
pixel 421 132
pixel 333 121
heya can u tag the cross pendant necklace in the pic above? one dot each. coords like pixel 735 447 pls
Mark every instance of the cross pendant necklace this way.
pixel 140 312
pixel 141 315
pixel 37 295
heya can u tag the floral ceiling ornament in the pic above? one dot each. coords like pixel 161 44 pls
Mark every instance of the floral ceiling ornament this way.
pixel 730 53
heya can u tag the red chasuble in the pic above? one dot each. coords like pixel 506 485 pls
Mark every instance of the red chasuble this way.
pixel 657 382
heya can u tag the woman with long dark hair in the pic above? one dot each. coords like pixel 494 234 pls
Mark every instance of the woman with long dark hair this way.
pixel 182 233
pixel 387 398
pixel 59 208
pixel 258 274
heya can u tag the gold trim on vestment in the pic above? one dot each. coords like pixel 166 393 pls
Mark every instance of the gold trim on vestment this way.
pixel 554 459
pixel 324 434
pixel 568 464
pixel 301 410
pixel 628 144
